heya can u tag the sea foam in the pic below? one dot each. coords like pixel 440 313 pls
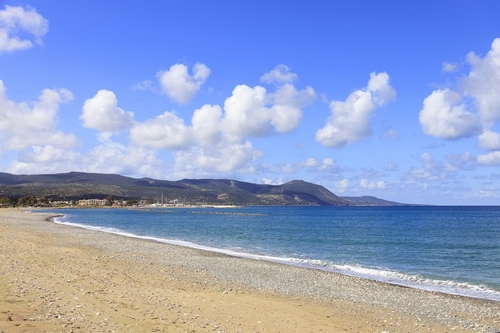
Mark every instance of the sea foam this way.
pixel 371 273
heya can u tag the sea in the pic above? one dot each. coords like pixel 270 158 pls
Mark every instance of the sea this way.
pixel 454 250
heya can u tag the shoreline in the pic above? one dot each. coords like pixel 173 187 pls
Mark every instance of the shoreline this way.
pixel 465 289
pixel 45 267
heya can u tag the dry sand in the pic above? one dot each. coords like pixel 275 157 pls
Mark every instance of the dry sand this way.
pixel 55 278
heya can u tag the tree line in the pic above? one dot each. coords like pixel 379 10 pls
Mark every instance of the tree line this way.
pixel 16 202
pixel 32 201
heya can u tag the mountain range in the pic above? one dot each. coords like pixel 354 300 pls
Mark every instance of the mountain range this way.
pixel 80 185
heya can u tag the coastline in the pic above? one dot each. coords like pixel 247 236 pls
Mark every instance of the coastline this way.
pixel 59 278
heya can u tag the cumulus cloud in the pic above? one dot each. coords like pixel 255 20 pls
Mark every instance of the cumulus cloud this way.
pixel 280 74
pixel 364 183
pixel 107 157
pixel 287 168
pixel 253 112
pixel 432 170
pixel 490 159
pixel 216 139
pixel 489 140
pixel 206 125
pixel 113 157
pixel 45 159
pixel 268 181
pixel 448 67
pixel 391 135
pixel 102 113
pixel 445 116
pixel 350 119
pixel 19 19
pixel 342 185
pixel 224 158
pixel 26 124
pixel 169 131
pixel 311 162
pixel 465 161
pixel 483 83
pixel 474 108
pixel 166 131
pixel 179 85
pixel 48 154
pixel 327 164
pixel 248 112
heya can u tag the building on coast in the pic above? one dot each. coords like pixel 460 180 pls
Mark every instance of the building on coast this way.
pixel 92 202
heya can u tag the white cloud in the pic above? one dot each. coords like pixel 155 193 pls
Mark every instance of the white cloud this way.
pixel 365 184
pixel 102 113
pixel 465 161
pixel 206 125
pixel 144 86
pixel 268 181
pixel 18 19
pixel 311 162
pixel 445 116
pixel 448 67
pixel 342 186
pixel 216 138
pixel 48 154
pixel 391 135
pixel 223 158
pixel 26 124
pixel 491 159
pixel 350 119
pixel 473 108
pixel 280 74
pixel 253 112
pixel 432 170
pixel 107 157
pixel 483 83
pixel 489 140
pixel 372 185
pixel 245 114
pixel 287 168
pixel 328 164
pixel 179 85
pixel 45 159
pixel 213 143
pixel 166 131
pixel 112 157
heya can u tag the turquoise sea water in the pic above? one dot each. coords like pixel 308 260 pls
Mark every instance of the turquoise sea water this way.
pixel 449 249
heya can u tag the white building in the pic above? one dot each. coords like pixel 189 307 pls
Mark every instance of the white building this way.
pixel 92 202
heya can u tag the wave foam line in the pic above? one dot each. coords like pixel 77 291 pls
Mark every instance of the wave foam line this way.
pixel 376 274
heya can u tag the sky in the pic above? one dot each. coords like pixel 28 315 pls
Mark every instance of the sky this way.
pixel 394 99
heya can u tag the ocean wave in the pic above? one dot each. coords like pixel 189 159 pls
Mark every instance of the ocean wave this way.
pixel 372 273
pixel 405 279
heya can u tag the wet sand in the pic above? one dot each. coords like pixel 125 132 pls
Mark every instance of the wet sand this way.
pixel 55 278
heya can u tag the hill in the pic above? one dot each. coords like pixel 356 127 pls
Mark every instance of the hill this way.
pixel 80 185
pixel 370 201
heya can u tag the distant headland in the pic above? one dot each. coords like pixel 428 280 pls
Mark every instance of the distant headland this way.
pixel 70 188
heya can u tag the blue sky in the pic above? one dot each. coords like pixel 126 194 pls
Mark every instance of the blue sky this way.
pixel 395 99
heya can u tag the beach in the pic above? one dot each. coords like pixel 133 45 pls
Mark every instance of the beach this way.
pixel 56 278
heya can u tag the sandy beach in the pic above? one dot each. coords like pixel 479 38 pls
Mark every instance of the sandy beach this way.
pixel 55 278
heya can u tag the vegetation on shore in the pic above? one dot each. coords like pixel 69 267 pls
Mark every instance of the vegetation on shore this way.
pixel 69 188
